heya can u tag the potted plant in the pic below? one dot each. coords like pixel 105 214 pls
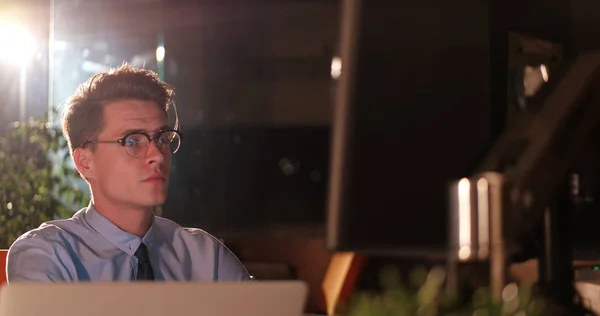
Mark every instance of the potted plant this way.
pixel 36 182
pixel 424 295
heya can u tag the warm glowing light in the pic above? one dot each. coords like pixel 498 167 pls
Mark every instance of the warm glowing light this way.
pixel 464 252
pixel 336 67
pixel 483 211
pixel 160 53
pixel 534 78
pixel 464 218
pixel 544 72
pixel 17 44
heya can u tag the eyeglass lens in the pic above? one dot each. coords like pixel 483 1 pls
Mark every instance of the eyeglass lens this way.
pixel 137 145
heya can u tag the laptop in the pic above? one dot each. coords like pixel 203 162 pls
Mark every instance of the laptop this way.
pixel 259 298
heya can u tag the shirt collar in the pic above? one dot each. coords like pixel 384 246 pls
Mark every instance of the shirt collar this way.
pixel 125 241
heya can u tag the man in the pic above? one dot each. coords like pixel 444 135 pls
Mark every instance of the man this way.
pixel 121 144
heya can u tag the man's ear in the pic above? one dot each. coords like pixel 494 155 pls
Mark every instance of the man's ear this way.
pixel 82 157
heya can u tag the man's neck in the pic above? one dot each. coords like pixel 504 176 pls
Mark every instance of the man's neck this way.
pixel 133 220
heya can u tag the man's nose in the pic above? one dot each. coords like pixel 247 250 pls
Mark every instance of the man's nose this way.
pixel 154 154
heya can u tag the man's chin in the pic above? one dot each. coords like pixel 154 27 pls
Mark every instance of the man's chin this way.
pixel 159 202
pixel 155 201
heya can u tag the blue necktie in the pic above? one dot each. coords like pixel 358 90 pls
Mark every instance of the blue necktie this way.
pixel 144 269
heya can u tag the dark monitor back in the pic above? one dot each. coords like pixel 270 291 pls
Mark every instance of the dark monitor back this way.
pixel 419 101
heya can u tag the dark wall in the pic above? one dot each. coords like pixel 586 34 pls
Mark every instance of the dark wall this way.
pixel 247 179
pixel 586 31
pixel 573 23
pixel 548 19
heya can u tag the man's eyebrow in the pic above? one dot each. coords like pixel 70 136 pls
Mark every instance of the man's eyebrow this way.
pixel 132 130
pixel 141 130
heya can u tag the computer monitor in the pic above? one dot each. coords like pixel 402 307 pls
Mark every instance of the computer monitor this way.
pixel 420 98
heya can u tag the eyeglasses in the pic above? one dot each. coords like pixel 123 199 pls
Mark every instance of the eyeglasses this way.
pixel 137 144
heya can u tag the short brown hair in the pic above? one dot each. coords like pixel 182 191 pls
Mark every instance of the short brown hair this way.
pixel 82 118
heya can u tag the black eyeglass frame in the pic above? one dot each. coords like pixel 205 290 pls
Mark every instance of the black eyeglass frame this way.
pixel 155 138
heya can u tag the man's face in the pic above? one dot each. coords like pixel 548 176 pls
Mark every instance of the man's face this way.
pixel 117 177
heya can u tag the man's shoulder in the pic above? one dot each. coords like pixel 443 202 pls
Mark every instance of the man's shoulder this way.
pixel 51 230
pixel 55 232
pixel 43 253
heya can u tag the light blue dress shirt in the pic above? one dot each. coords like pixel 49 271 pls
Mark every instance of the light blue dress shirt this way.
pixel 88 247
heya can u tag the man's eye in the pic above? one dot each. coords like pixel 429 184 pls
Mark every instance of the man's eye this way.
pixel 131 142
pixel 163 139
